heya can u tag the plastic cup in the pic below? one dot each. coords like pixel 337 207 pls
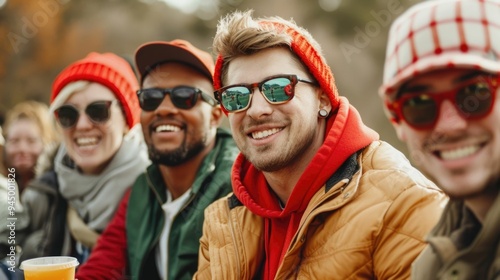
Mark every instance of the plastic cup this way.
pixel 49 268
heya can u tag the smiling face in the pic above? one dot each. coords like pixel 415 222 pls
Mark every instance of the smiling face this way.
pixel 92 145
pixel 463 156
pixel 275 137
pixel 23 145
pixel 175 135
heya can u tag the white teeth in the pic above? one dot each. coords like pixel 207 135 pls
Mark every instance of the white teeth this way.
pixel 167 127
pixel 459 153
pixel 265 133
pixel 87 141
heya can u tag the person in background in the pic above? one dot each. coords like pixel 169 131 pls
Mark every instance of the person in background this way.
pixel 155 233
pixel 317 195
pixel 9 199
pixel 28 130
pixel 441 83
pixel 102 153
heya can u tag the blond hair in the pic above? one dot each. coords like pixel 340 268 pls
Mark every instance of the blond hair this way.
pixel 239 34
pixel 36 112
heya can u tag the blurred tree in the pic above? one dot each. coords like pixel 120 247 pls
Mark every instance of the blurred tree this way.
pixel 41 37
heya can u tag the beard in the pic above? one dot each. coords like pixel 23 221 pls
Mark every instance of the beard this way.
pixel 285 158
pixel 185 152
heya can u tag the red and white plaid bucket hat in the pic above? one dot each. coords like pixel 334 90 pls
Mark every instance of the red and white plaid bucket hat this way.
pixel 442 34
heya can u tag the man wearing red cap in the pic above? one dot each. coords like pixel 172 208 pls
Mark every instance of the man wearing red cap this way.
pixel 155 233
pixel 441 81
pixel 316 194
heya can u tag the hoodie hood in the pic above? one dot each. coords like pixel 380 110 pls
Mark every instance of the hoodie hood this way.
pixel 346 134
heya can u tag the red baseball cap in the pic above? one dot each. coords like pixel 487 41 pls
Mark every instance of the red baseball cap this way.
pixel 152 54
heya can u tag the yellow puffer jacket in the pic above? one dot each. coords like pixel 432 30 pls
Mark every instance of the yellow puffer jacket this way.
pixel 369 225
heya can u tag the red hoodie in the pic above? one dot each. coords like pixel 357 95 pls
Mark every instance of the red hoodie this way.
pixel 346 134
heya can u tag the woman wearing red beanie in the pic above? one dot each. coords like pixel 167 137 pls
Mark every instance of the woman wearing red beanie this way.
pixel 102 153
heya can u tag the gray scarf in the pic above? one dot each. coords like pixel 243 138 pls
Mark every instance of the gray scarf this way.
pixel 96 197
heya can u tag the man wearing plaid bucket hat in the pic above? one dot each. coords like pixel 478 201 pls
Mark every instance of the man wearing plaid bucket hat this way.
pixel 441 80
pixel 316 194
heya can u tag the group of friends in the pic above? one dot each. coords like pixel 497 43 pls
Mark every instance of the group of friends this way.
pixel 146 184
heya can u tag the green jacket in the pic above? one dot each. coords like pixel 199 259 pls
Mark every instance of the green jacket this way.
pixel 145 217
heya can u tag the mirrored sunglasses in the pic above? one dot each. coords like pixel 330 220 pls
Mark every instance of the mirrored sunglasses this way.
pixel 473 99
pixel 275 89
pixel 98 112
pixel 183 97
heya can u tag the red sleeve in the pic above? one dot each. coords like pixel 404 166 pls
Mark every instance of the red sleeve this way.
pixel 108 260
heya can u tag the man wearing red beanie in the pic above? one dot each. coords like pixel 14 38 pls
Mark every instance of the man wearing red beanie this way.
pixel 316 194
pixel 155 233
pixel 441 82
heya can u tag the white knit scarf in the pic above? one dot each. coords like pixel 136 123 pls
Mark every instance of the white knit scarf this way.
pixel 96 197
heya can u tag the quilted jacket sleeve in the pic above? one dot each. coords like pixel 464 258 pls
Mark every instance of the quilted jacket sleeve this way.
pixel 232 243
pixel 108 260
pixel 411 215
pixel 204 252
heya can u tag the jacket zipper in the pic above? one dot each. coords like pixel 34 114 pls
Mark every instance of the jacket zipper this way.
pixel 151 186
pixel 333 194
pixel 191 198
pixel 311 213
pixel 157 195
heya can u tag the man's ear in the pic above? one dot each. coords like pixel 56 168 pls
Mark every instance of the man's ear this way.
pixel 324 101
pixel 217 115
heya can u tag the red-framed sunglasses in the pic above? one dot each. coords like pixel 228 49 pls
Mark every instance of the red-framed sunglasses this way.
pixel 277 89
pixel 473 99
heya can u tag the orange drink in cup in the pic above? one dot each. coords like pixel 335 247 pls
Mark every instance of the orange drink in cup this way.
pixel 49 268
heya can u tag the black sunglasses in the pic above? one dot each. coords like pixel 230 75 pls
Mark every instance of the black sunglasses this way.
pixel 275 89
pixel 98 112
pixel 183 97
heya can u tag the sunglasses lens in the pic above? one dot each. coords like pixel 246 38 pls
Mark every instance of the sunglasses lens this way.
pixel 420 110
pixel 475 100
pixel 278 90
pixel 67 116
pixel 184 97
pixel 98 111
pixel 235 98
pixel 150 99
pixel 472 100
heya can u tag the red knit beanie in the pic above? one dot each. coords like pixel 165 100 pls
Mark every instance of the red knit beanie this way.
pixel 109 70
pixel 310 57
